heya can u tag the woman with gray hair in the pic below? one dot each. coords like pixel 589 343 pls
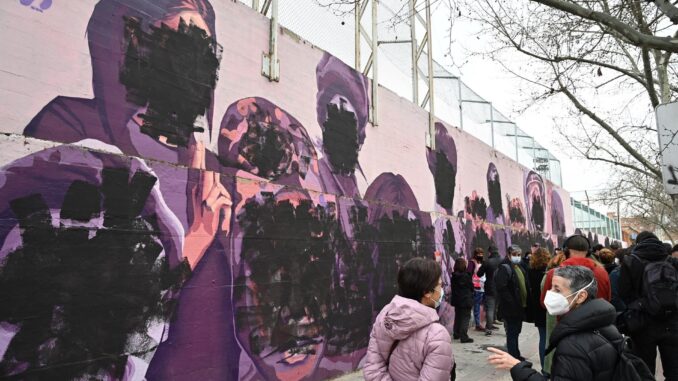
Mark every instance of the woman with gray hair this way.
pixel 585 339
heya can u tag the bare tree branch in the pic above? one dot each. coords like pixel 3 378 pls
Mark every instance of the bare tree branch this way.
pixel 633 36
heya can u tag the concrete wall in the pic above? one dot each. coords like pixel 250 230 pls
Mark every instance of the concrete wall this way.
pixel 168 213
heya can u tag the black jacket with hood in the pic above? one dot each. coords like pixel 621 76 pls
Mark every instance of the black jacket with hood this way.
pixel 585 342
pixel 488 268
pixel 631 272
pixel 508 290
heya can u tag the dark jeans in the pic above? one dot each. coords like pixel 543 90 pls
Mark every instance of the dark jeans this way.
pixel 477 302
pixel 513 328
pixel 662 335
pixel 490 310
pixel 462 317
pixel 542 345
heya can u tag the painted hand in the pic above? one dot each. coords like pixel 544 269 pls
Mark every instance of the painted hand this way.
pixel 501 359
pixel 208 198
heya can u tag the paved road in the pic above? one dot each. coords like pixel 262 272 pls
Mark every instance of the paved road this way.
pixel 472 358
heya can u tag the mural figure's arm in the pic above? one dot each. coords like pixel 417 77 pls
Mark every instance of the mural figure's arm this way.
pixel 208 198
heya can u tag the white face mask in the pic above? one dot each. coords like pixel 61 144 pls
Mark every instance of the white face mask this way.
pixel 440 300
pixel 516 260
pixel 557 304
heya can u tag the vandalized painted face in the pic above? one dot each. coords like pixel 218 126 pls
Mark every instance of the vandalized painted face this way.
pixel 340 136
pixel 170 72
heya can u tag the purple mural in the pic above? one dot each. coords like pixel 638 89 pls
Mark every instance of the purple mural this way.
pixel 139 243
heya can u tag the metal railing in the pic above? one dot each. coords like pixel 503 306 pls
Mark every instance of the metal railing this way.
pixel 395 50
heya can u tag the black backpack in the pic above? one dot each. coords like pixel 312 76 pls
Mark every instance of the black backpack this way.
pixel 659 292
pixel 629 367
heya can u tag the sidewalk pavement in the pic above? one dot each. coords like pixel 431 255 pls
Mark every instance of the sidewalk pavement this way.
pixel 472 358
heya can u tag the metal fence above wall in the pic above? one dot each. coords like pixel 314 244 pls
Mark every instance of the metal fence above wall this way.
pixel 403 37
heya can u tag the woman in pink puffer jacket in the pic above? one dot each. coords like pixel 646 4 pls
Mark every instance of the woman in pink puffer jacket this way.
pixel 407 341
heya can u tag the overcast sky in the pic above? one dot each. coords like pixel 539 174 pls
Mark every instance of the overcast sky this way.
pixel 488 79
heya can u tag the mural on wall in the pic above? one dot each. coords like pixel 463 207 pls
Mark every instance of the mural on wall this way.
pixel 139 242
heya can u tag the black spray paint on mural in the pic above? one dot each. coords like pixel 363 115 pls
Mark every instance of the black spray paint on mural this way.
pixel 340 138
pixel 525 240
pixel 290 253
pixel 352 286
pixel 481 240
pixel 399 239
pixel 449 241
pixel 267 146
pixel 444 180
pixel 83 295
pixel 538 213
pixel 494 195
pixel 476 207
pixel 173 74
pixel 515 213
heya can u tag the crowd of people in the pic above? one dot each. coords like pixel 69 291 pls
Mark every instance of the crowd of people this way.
pixel 601 313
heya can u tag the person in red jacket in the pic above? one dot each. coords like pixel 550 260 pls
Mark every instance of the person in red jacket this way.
pixel 576 250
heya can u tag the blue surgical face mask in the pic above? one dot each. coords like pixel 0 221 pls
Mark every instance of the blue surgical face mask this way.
pixel 515 260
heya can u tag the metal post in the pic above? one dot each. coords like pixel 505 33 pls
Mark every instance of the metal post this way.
pixel 356 65
pixel 515 135
pixel 621 233
pixel 375 65
pixel 431 92
pixel 588 211
pixel 270 64
pixel 492 123
pixel 461 108
pixel 415 63
pixel 255 5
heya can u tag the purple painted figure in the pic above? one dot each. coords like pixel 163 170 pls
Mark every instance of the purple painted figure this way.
pixel 342 110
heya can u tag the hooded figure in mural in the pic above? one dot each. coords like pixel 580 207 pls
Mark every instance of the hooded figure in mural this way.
pixel 258 137
pixel 535 200
pixel 443 166
pixel 77 226
pixel 149 99
pixel 557 217
pixel 342 109
pixel 154 67
pixel 495 211
pixel 403 232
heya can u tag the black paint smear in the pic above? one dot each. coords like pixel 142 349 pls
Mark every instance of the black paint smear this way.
pixel 353 281
pixel 290 254
pixel 476 207
pixel 494 196
pixel 82 202
pixel 171 72
pixel 340 139
pixel 525 240
pixel 515 214
pixel 399 239
pixel 267 146
pixel 79 293
pixel 481 240
pixel 537 213
pixel 557 222
pixel 449 241
pixel 444 180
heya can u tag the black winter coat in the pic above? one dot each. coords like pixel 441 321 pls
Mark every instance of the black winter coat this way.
pixel 508 290
pixel 631 272
pixel 462 290
pixel 581 351
pixel 489 268
pixel 535 312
